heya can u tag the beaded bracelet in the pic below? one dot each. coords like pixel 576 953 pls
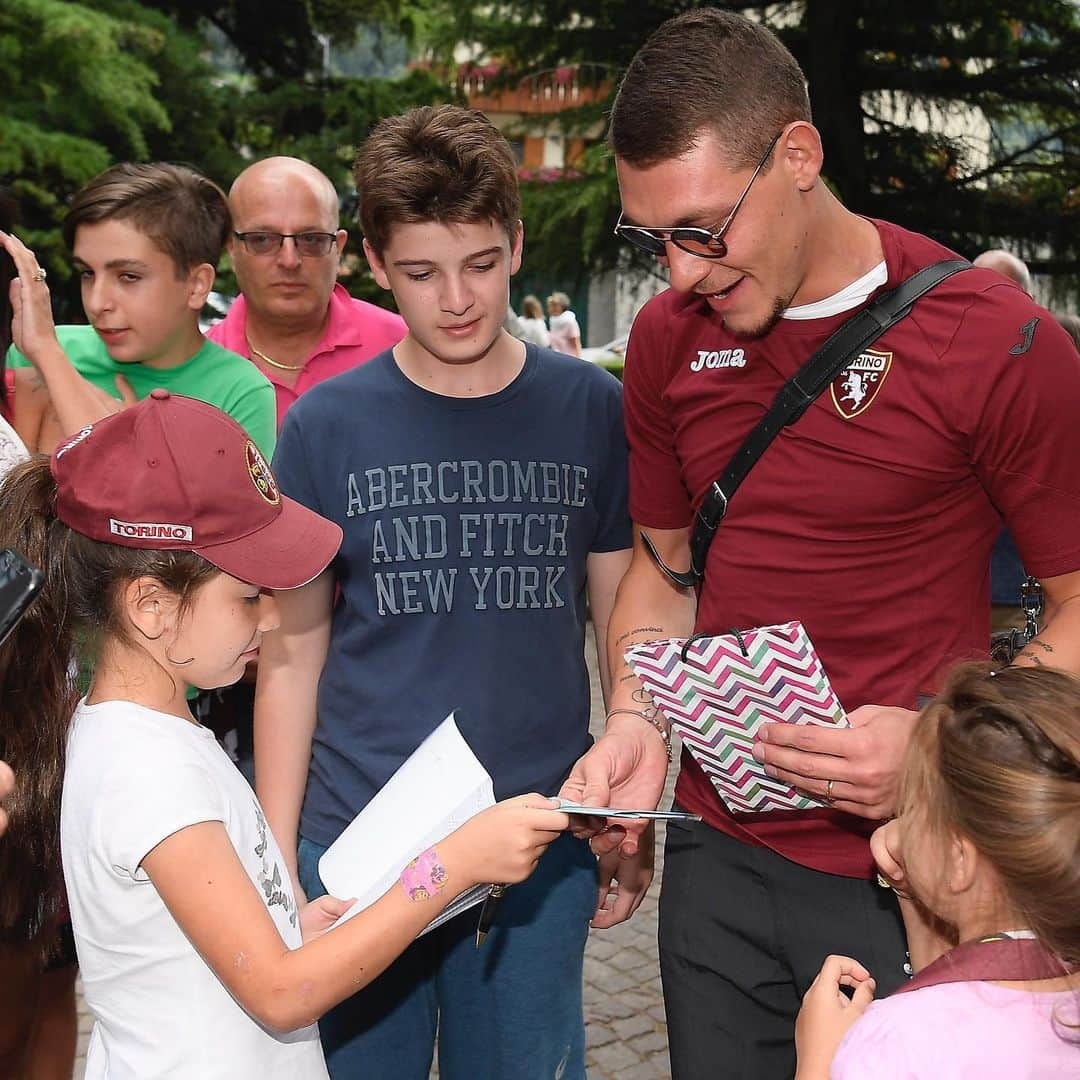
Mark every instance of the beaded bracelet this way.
pixel 424 876
pixel 650 716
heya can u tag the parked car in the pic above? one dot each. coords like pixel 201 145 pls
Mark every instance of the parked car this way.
pixel 611 353
pixel 214 310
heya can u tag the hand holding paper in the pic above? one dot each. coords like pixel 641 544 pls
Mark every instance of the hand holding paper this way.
pixel 441 789
pixel 718 693
pixel 863 760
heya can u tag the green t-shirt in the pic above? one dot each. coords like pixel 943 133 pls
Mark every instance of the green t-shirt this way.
pixel 214 375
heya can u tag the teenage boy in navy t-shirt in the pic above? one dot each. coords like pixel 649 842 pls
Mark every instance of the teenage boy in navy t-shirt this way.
pixel 481 484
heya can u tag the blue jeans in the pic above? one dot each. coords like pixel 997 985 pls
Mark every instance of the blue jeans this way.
pixel 512 1008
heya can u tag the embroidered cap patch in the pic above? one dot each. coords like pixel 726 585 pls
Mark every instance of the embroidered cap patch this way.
pixel 261 476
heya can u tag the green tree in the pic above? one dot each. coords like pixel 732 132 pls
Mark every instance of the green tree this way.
pixel 85 85
pixel 873 66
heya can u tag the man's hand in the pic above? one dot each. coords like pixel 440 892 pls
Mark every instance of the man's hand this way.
pixel 624 880
pixel 827 1013
pixel 863 761
pixel 32 327
pixel 625 768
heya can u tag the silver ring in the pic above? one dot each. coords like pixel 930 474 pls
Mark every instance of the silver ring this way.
pixel 39 274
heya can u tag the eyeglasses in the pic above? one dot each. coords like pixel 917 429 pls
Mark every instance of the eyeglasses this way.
pixel 704 243
pixel 311 244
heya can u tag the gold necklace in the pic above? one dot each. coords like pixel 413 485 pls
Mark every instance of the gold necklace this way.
pixel 273 363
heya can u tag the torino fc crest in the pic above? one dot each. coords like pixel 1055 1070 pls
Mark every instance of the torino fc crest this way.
pixel 855 388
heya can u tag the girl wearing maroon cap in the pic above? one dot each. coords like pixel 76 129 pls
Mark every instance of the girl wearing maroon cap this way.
pixel 162 532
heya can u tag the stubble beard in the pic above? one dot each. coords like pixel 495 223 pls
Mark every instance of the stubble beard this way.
pixel 779 306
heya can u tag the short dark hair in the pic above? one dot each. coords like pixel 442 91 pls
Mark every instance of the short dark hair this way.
pixel 180 210
pixel 706 70
pixel 435 163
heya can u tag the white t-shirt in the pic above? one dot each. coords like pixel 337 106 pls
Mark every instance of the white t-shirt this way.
pixel 563 329
pixel 12 450
pixel 534 330
pixel 134 777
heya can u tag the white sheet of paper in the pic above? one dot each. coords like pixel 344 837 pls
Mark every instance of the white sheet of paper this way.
pixel 439 787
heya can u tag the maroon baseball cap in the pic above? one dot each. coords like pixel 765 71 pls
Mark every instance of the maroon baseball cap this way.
pixel 172 473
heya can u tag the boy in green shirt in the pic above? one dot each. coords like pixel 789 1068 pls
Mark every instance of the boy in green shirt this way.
pixel 146 240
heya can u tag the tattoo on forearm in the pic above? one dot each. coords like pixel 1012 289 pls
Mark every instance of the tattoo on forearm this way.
pixel 1045 646
pixel 638 630
pixel 642 696
pixel 1032 657
pixel 627 678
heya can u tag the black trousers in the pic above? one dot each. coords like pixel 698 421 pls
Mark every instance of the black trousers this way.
pixel 743 933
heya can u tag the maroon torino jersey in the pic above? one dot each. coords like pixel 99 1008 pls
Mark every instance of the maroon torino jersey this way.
pixel 872 518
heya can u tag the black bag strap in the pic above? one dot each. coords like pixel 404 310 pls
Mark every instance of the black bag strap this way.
pixel 794 398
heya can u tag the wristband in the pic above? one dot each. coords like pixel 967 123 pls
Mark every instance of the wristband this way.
pixel 652 718
pixel 424 876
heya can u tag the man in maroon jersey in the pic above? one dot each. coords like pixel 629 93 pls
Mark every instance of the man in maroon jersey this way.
pixel 871 519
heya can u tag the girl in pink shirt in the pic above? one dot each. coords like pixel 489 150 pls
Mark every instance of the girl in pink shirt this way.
pixel 985 858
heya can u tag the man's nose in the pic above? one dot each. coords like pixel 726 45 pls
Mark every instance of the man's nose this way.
pixel 685 271
pixel 288 254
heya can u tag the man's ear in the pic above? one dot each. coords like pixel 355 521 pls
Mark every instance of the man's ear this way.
pixel 149 606
pixel 199 282
pixel 339 240
pixel 378 268
pixel 799 149
pixel 517 244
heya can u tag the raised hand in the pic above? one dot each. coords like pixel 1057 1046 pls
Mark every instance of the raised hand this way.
pixel 32 328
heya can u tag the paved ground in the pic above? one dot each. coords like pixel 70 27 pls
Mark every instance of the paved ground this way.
pixel 625 1032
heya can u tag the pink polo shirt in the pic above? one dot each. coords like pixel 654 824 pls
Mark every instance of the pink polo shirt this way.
pixel 355 332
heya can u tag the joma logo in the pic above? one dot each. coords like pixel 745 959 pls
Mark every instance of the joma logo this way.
pixel 718 358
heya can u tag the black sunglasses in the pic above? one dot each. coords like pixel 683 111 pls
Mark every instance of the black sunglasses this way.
pixel 704 243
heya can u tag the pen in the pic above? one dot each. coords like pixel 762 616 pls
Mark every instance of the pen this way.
pixel 487 913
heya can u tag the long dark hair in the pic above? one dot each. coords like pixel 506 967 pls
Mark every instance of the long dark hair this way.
pixel 77 606
pixel 8 207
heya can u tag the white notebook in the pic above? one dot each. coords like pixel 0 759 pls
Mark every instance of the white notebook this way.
pixel 439 787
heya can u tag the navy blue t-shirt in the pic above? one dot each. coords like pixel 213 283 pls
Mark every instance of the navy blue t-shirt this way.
pixel 467 523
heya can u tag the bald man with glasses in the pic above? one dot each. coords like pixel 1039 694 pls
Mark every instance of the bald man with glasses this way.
pixel 293 319
pixel 870 520
pixel 297 325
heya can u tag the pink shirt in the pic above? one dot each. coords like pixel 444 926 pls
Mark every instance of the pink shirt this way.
pixel 356 331
pixel 957 1031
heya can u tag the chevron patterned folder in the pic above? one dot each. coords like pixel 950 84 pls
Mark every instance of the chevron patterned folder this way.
pixel 719 698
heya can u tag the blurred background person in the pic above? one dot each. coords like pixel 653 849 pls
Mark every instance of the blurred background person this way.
pixel 531 322
pixel 1071 323
pixel 564 329
pixel 1008 265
